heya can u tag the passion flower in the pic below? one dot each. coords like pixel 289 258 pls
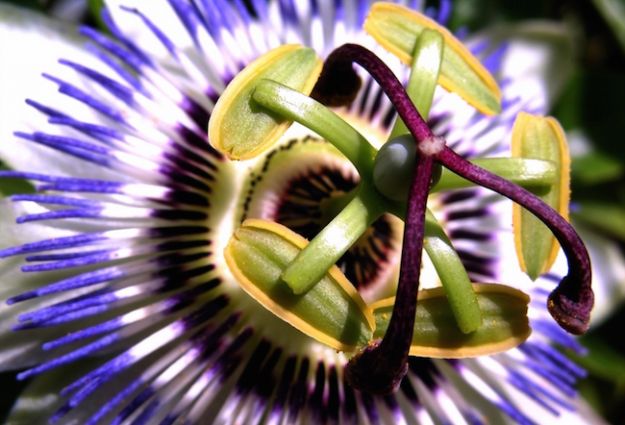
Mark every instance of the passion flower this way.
pixel 120 307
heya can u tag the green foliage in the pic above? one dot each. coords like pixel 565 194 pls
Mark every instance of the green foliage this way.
pixel 12 186
pixel 31 4
pixel 605 363
pixel 613 11
pixel 596 168
pixel 608 218
pixel 95 10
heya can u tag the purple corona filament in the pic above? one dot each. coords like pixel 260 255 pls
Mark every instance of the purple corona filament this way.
pixel 381 366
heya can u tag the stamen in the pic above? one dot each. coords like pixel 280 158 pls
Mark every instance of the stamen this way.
pixel 571 302
pixel 381 366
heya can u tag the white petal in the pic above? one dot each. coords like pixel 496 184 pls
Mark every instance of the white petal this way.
pixel 539 59
pixel 12 234
pixel 582 413
pixel 19 349
pixel 608 269
pixel 40 400
pixel 29 45
pixel 160 13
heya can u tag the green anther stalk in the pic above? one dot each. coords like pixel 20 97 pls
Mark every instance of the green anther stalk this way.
pixel 436 334
pixel 334 240
pixel 366 206
pixel 295 106
pixel 332 312
pixel 397 28
pixel 460 295
pixel 424 73
pixel 532 174
pixel 427 58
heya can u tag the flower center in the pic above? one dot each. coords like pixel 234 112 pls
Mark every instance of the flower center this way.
pixel 303 185
pixel 280 256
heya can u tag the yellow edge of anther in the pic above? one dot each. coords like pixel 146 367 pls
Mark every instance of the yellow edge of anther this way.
pixel 286 315
pixel 517 134
pixel 280 129
pixel 450 42
pixel 565 192
pixel 518 129
pixel 462 352
pixel 241 82
pixel 439 291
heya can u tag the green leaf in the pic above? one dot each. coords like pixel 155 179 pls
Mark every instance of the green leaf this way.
pixel 41 397
pixel 31 4
pixel 332 311
pixel 12 186
pixel 95 10
pixel 602 360
pixel 609 218
pixel 596 168
pixel 593 102
pixel 397 29
pixel 540 138
pixel 239 127
pixel 613 11
pixel 504 323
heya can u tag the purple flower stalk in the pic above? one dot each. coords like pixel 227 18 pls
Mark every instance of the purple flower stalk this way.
pixel 381 366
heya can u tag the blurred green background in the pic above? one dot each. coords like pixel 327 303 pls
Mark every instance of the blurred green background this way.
pixel 592 101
